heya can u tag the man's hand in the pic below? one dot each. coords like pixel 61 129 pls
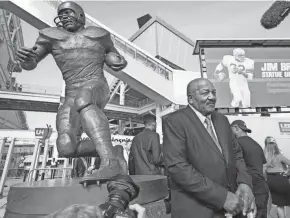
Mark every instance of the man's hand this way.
pixel 235 70
pixel 245 192
pixel 27 57
pixel 139 209
pixel 233 204
pixel 220 76
pixel 243 73
pixel 254 209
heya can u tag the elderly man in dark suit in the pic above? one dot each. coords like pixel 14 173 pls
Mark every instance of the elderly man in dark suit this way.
pixel 206 166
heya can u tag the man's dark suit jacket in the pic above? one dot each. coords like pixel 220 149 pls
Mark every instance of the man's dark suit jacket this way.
pixel 79 168
pixel 201 175
pixel 145 154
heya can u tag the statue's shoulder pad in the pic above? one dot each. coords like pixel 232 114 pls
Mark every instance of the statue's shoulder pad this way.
pixel 53 33
pixel 95 32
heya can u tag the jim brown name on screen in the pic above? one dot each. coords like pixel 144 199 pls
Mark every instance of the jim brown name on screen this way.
pixel 275 70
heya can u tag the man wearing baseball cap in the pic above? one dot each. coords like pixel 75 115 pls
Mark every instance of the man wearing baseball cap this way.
pixel 254 159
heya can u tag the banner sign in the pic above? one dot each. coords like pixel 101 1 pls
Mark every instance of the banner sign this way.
pixel 123 140
pixel 284 127
pixel 249 77
pixel 21 142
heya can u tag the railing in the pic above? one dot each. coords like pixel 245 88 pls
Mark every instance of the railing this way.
pixel 113 84
pixel 127 103
pixel 64 172
pixel 33 89
pixel 135 104
pixel 128 47
pixel 14 173
pixel 41 90
pixel 4 76
pixel 145 102
pixel 25 140
pixel 21 116
pixel 11 53
pixel 7 36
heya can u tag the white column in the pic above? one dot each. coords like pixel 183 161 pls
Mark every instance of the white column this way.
pixel 64 166
pixel 6 166
pixel 35 166
pixel 55 152
pixel 93 161
pixel 159 122
pixel 122 93
pixel 34 159
pixel 45 153
pixel 122 102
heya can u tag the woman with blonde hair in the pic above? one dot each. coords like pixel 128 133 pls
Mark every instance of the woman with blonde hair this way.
pixel 277 179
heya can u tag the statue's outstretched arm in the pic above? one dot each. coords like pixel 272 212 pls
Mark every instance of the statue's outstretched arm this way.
pixel 30 57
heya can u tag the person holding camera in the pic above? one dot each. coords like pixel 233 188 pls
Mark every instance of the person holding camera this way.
pixel 122 190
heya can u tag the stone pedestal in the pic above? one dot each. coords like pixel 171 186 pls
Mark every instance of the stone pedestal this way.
pixel 38 199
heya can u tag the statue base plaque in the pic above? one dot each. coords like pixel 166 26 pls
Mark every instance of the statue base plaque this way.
pixel 38 199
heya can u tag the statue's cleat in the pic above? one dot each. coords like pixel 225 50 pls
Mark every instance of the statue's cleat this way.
pixel 105 173
pixel 89 180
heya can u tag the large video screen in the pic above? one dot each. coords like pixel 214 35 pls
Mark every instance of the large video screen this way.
pixel 249 77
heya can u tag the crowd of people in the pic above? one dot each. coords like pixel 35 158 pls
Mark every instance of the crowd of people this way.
pixel 215 168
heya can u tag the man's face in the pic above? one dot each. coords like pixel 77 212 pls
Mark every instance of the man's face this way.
pixel 203 98
pixel 154 126
pixel 235 130
pixel 69 20
pixel 241 57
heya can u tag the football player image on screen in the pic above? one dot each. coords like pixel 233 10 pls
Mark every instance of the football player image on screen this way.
pixel 239 70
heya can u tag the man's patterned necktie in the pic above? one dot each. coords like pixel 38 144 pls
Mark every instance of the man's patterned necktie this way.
pixel 210 130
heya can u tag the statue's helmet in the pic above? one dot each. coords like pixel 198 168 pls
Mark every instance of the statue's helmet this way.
pixel 239 54
pixel 78 13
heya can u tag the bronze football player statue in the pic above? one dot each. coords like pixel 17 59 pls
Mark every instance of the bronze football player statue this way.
pixel 80 53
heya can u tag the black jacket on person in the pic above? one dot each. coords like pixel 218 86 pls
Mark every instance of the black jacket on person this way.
pixel 255 159
pixel 79 168
pixel 145 154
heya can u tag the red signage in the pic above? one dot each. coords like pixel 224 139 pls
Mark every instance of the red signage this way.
pixel 43 133
pixel 284 127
